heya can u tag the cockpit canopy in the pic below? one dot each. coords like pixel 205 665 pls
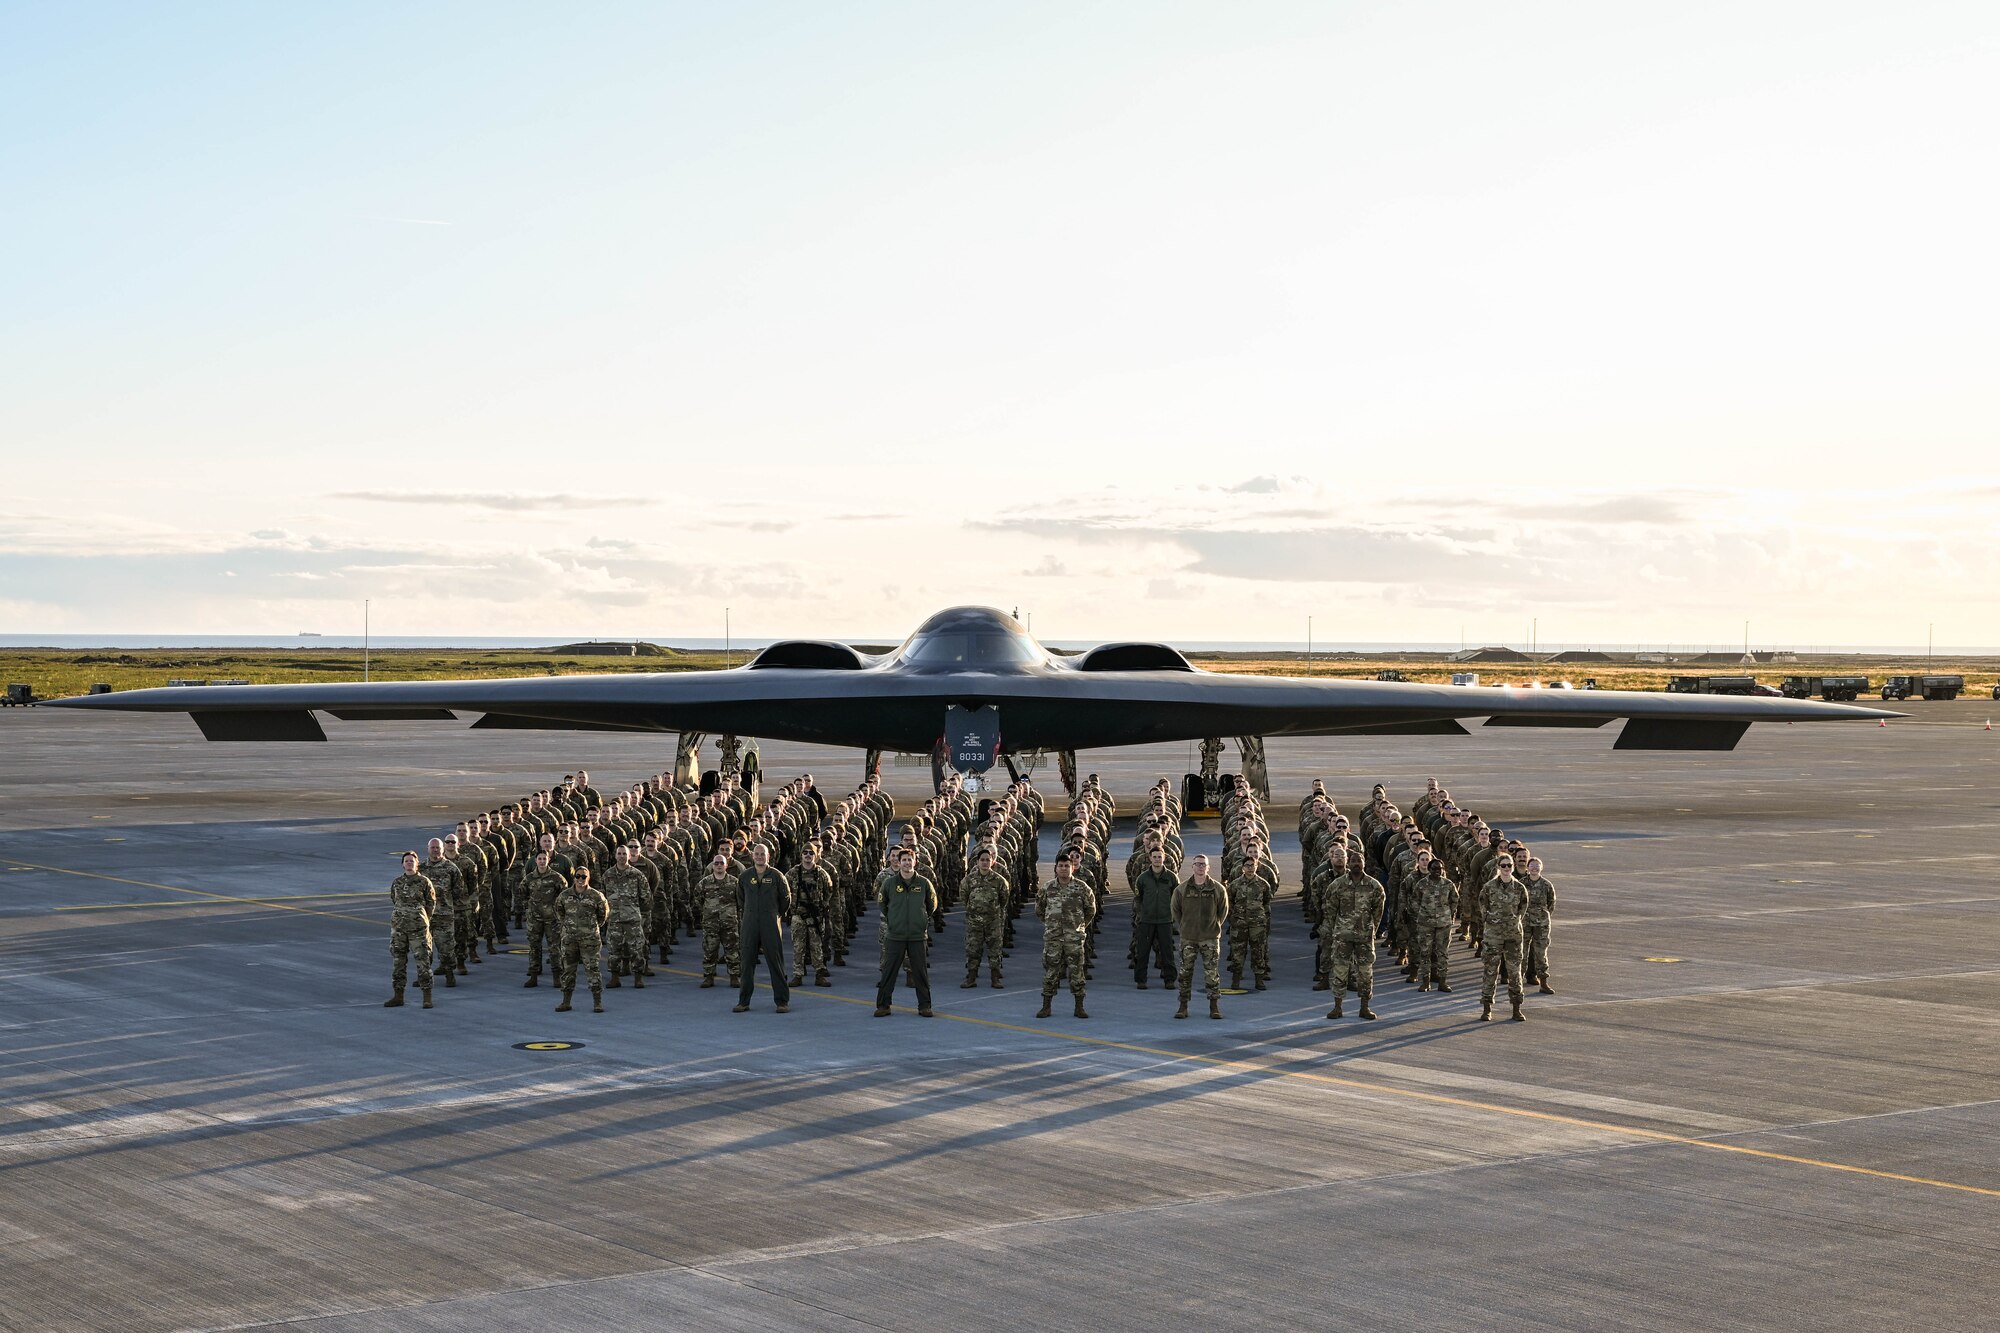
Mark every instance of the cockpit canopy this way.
pixel 970 638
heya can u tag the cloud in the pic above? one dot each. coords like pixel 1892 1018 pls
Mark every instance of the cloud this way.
pixel 1050 568
pixel 1255 486
pixel 507 501
pixel 1611 509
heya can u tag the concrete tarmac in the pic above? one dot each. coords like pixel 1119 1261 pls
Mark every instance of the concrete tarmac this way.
pixel 1766 1097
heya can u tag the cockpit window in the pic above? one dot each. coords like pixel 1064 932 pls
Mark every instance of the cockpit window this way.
pixel 959 648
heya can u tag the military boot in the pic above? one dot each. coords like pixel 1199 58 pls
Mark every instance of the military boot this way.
pixel 1366 1012
pixel 707 983
pixel 639 982
pixel 735 981
pixel 1235 979
pixel 450 977
pixel 1079 1008
pixel 615 983
pixel 1444 988
pixel 1546 988
pixel 534 979
pixel 822 977
pixel 1321 983
pixel 1182 1011
pixel 798 979
pixel 394 1001
pixel 1339 1003
pixel 597 1002
pixel 1519 1017
pixel 563 1008
pixel 1214 1007
pixel 971 981
pixel 1045 1011
pixel 1486 1011
pixel 427 997
pixel 996 980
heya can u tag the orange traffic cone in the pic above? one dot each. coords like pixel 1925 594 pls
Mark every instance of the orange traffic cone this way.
pixel 1989 724
pixel 1882 722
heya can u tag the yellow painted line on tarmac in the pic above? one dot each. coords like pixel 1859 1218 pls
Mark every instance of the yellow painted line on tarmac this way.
pixel 1412 1094
pixel 200 902
pixel 198 893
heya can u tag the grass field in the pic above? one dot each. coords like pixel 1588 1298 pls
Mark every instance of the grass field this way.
pixel 56 672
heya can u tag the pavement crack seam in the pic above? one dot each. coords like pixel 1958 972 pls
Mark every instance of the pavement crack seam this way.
pixel 1443 1099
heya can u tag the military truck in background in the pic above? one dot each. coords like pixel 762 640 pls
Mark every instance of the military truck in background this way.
pixel 1923 687
pixel 1712 685
pixel 1833 689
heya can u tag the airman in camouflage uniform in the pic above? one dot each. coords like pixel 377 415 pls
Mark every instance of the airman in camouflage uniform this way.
pixel 1351 909
pixel 1434 902
pixel 443 876
pixel 1250 892
pixel 1539 917
pixel 1503 901
pixel 812 915
pixel 715 898
pixel 987 892
pixel 412 897
pixel 1200 907
pixel 543 886
pixel 581 915
pixel 627 892
pixel 1066 908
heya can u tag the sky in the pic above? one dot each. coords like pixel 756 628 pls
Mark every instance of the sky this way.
pixel 1608 323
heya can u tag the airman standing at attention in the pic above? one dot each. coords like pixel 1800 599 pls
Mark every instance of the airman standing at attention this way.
pixel 1250 915
pixel 1067 907
pixel 812 899
pixel 715 899
pixel 1434 903
pixel 443 876
pixel 987 892
pixel 1199 908
pixel 581 915
pixel 763 901
pixel 544 885
pixel 627 892
pixel 412 898
pixel 1153 919
pixel 908 902
pixel 1503 901
pixel 1539 918
pixel 1351 910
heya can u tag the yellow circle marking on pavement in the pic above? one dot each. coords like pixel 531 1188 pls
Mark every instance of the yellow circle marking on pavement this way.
pixel 1666 960
pixel 548 1046
pixel 1234 990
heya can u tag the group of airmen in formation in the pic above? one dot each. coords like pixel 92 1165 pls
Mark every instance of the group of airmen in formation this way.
pixel 599 885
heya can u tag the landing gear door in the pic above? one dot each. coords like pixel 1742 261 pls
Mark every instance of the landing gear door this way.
pixel 972 737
